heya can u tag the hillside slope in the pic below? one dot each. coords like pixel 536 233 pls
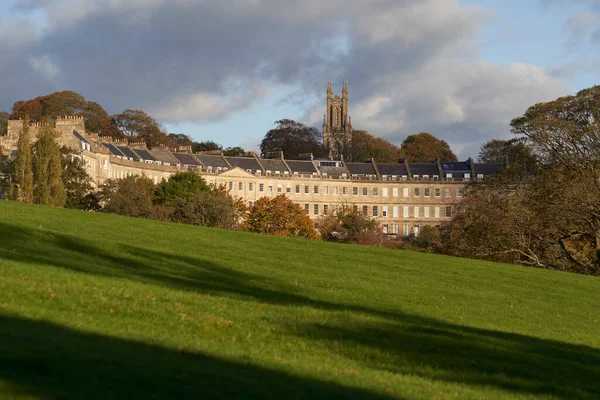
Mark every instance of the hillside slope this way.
pixel 103 306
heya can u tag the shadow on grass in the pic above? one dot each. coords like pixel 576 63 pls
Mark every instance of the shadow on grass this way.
pixel 53 362
pixel 394 341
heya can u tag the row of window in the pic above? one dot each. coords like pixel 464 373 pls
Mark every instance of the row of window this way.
pixel 427 192
pixel 384 211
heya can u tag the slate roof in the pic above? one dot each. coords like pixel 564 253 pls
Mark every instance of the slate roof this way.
pixel 186 158
pixel 302 167
pixel 488 169
pixel 165 156
pixel 361 169
pixel 245 163
pixel 81 137
pixel 334 171
pixel 271 164
pixel 113 149
pixel 213 161
pixel 392 169
pixel 421 169
pixel 145 155
pixel 457 166
pixel 128 152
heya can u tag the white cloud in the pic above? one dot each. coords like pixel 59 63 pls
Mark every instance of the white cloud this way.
pixel 45 66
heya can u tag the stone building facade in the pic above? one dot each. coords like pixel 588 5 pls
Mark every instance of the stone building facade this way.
pixel 402 196
pixel 337 123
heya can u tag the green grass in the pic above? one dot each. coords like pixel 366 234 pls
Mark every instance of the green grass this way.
pixel 102 306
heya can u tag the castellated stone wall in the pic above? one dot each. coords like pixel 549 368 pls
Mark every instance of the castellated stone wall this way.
pixel 64 127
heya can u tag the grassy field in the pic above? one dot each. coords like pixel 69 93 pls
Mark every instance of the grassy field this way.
pixel 100 306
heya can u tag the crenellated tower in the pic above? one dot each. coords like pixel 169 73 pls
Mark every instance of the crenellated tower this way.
pixel 337 125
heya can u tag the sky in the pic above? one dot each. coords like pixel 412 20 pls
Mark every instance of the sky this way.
pixel 226 70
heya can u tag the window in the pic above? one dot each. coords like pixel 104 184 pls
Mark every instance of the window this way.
pixel 261 187
pixel 395 212
pixel 405 229
pixel 426 212
pixel 417 212
pixel 405 212
pixel 355 208
pixel 325 209
pixel 448 192
pixel 335 208
pixel 270 188
pixel 316 189
pixel 405 192
pixel 384 211
pixel 288 189
pixel 448 212
pixel 375 191
pixel 395 192
pixel 279 188
pixel 316 209
pixel 438 192
pixel 297 189
pixel 436 212
pixel 365 211
pixel 230 184
pixel 306 189
pixel 345 190
pixel 375 211
pixel 326 190
pixel 385 228
pixel 241 186
pixel 427 192
pixel 365 191
pixel 355 191
pixel 395 229
pixel 417 192
pixel 251 187
pixel 467 176
pixel 384 192
pixel 335 191
pixel 479 176
pixel 448 176
pixel 307 208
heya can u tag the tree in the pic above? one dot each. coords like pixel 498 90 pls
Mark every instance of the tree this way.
pixel 4 117
pixel 213 208
pixel 7 170
pixel 22 183
pixel 206 146
pixel 137 123
pixel 180 139
pixel 565 134
pixel 131 196
pixel 234 152
pixel 180 188
pixel 47 169
pixel 515 152
pixel 345 226
pixel 280 216
pixel 78 184
pixel 293 138
pixel 97 120
pixel 366 146
pixel 424 148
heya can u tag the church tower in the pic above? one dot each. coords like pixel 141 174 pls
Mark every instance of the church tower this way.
pixel 337 125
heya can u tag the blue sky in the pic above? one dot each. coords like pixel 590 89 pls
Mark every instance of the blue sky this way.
pixel 225 72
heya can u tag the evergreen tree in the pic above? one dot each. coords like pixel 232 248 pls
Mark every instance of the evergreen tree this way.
pixel 49 189
pixel 22 188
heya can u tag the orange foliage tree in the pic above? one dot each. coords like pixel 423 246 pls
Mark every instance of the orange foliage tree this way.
pixel 280 216
pixel 425 147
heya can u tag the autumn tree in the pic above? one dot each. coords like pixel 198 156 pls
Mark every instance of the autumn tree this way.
pixel 180 139
pixel 345 226
pixel 136 123
pixel 47 169
pixel 132 196
pixel 424 148
pixel 97 120
pixel 366 146
pixel 293 138
pixel 22 183
pixel 280 216
pixel 78 184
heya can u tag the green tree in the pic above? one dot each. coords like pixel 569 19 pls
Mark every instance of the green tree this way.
pixel 7 171
pixel 293 138
pixel 424 148
pixel 281 217
pixel 236 151
pixel 47 168
pixel 206 146
pixel 78 184
pixel 515 152
pixel 22 183
pixel 4 117
pixel 213 208
pixel 180 188
pixel 132 196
